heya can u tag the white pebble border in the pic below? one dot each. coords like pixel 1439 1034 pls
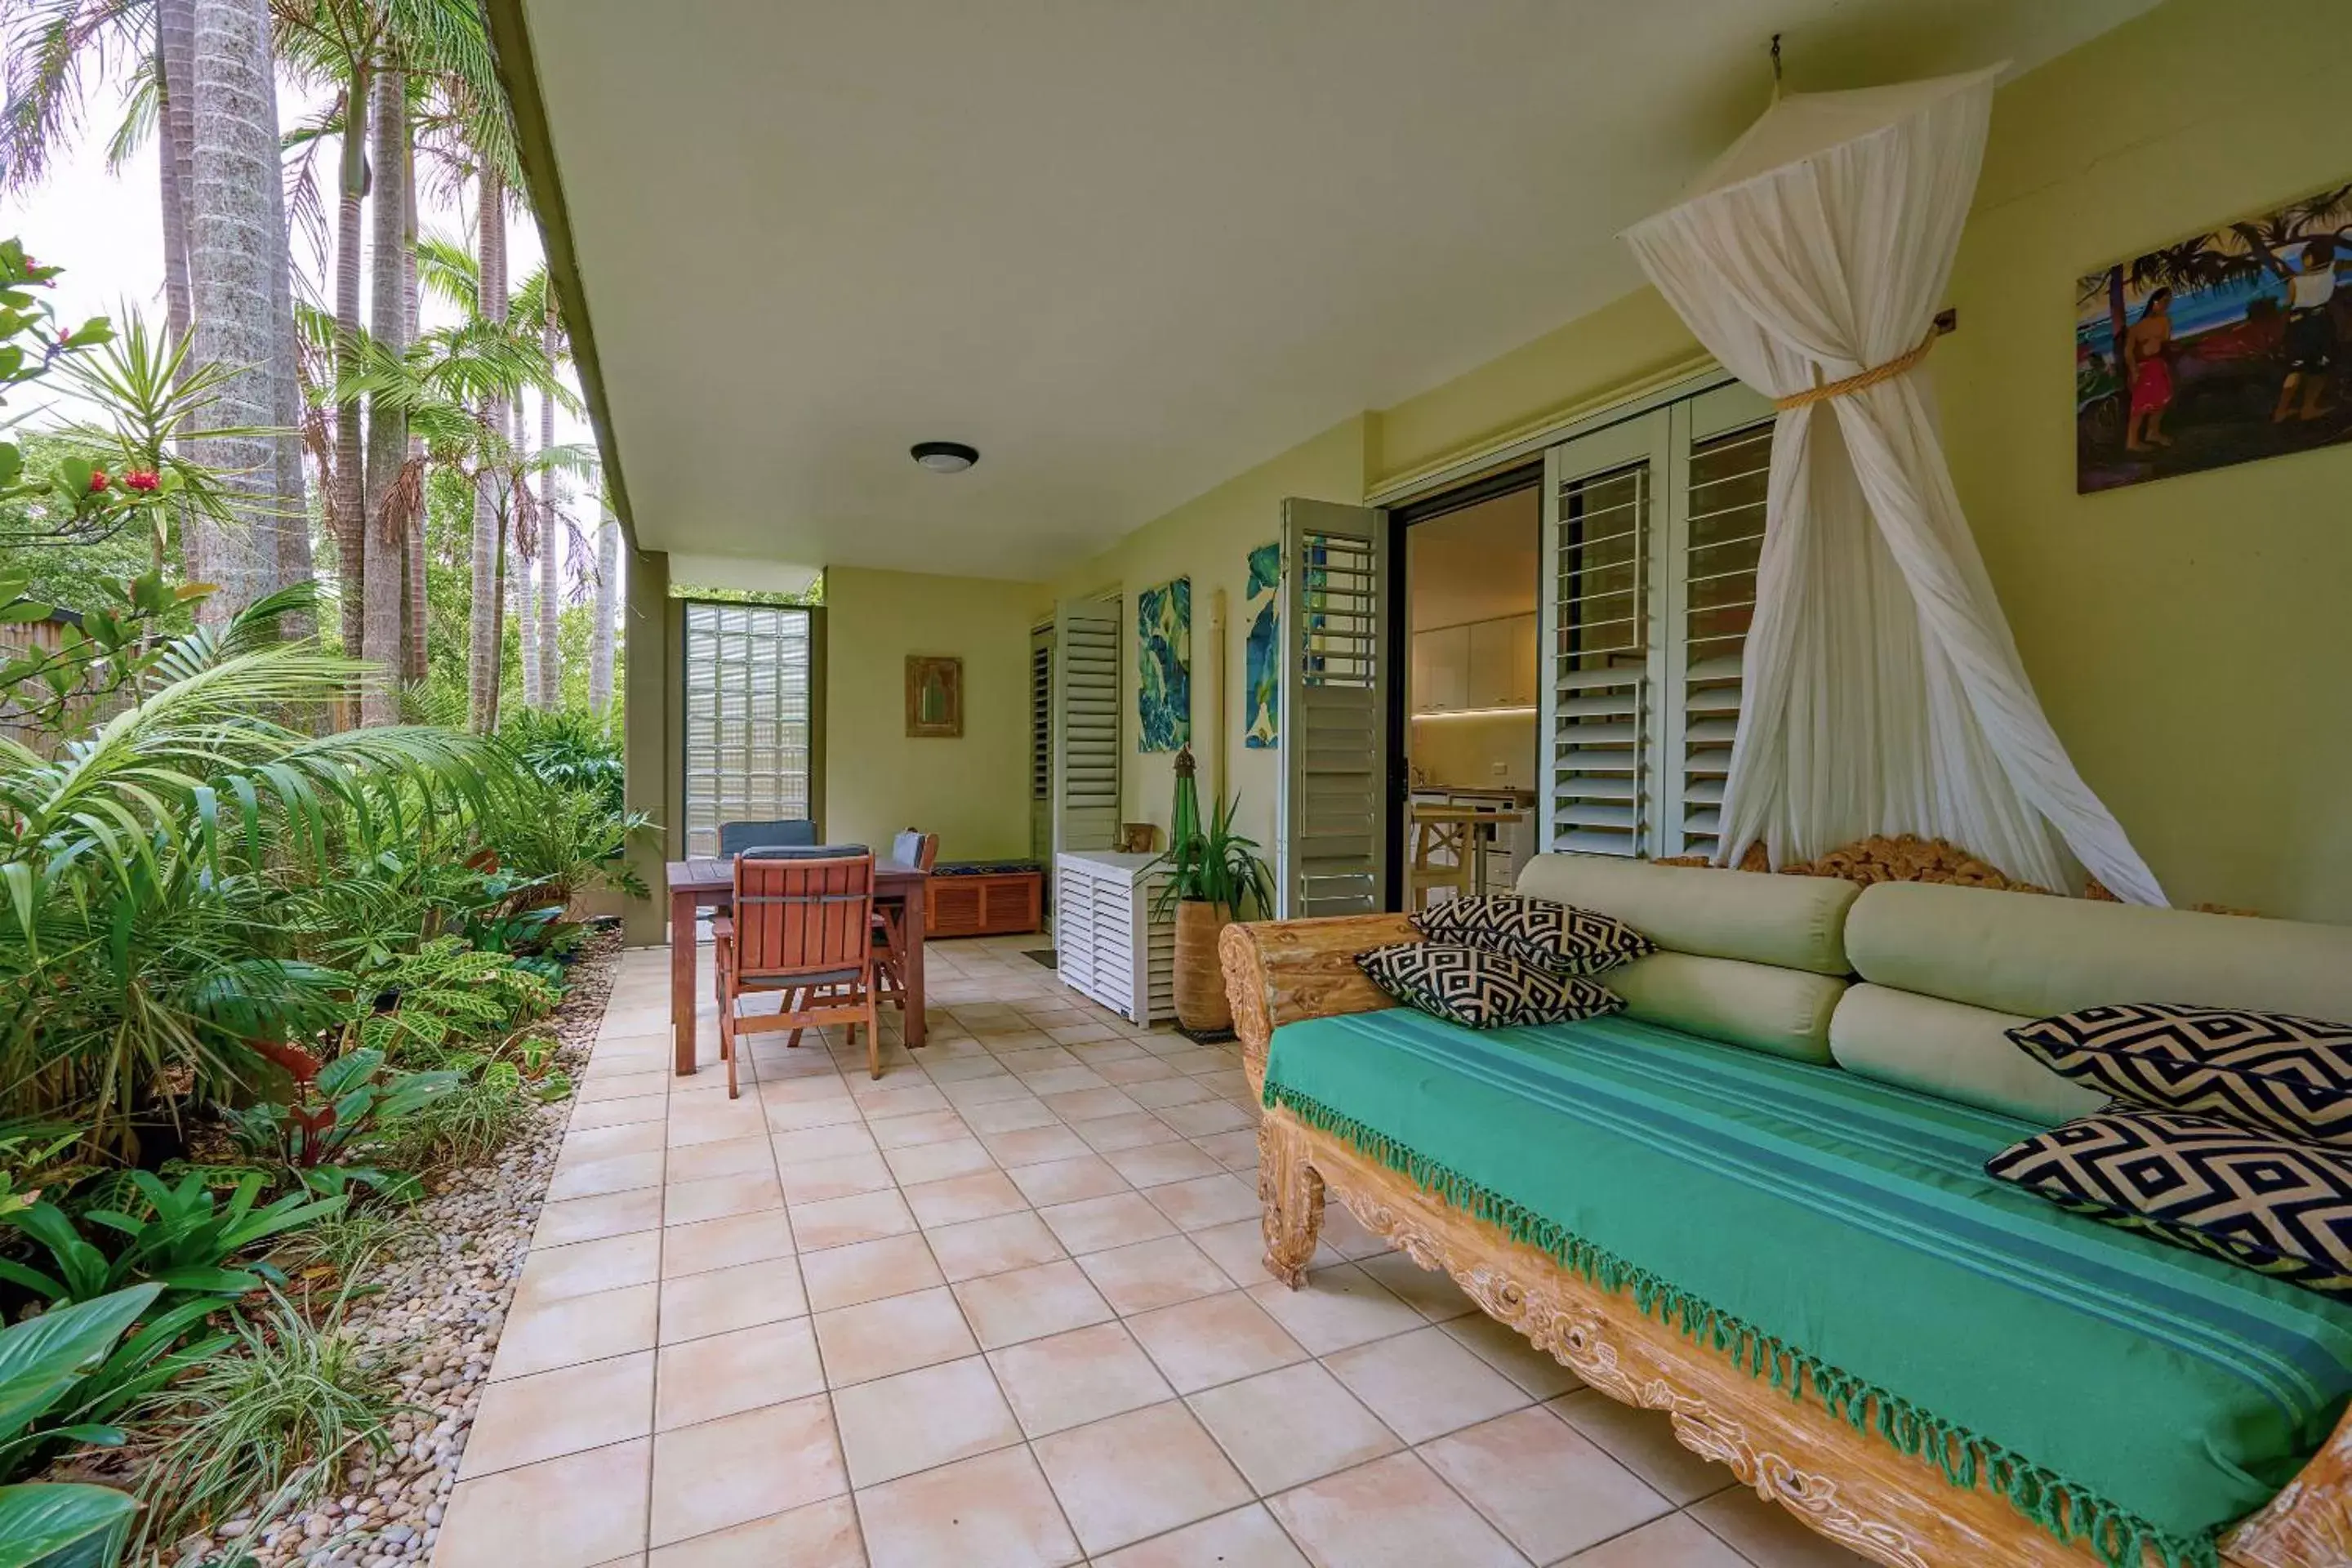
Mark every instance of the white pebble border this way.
pixel 439 1312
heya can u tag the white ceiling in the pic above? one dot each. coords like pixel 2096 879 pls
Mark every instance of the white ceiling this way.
pixel 1126 248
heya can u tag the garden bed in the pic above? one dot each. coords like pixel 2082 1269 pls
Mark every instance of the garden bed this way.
pixel 433 1306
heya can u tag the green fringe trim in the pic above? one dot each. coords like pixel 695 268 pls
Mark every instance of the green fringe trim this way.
pixel 2068 1511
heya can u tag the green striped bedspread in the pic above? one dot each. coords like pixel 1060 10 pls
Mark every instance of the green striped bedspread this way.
pixel 1840 1237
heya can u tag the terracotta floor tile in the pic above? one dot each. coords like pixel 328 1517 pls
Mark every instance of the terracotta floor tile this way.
pixel 713 1118
pixel 814 1535
pixel 936 1161
pixel 709 1244
pixel 924 1127
pixel 1214 1339
pixel 743 1369
pixel 1153 1274
pixel 1542 1483
pixel 973 1093
pixel 837 1222
pixel 1010 1115
pixel 523 1420
pixel 1068 1079
pixel 1391 1513
pixel 1508 1352
pixel 718 1197
pixel 918 1420
pixel 1245 1537
pixel 797 1115
pixel 552 1273
pixel 1175 1088
pixel 1676 1541
pixel 842 1176
pixel 1203 1117
pixel 1138 1474
pixel 1343 1235
pixel 993 1511
pixel 1430 1292
pixel 1136 1130
pixel 543 1336
pixel 1030 1303
pixel 961 1198
pixel 832 1143
pixel 1095 1224
pixel 577 1511
pixel 1643 1442
pixel 1157 1164
pixel 869 1271
pixel 1067 1380
pixel 569 1220
pixel 719 1299
pixel 625 1086
pixel 728 1157
pixel 1337 1307
pixel 1236 1152
pixel 1292 1425
pixel 1206 1201
pixel 1068 1180
pixel 961 1068
pixel 1766 1535
pixel 614 1174
pixel 896 1334
pixel 741 1467
pixel 1034 1146
pixel 1425 1383
pixel 581 1144
pixel 1239 1249
pixel 902 1094
pixel 806 1089
pixel 992 1246
pixel 1089 1104
pixel 1128 1070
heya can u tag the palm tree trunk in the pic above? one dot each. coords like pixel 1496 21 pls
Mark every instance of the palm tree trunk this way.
pixel 600 644
pixel 175 47
pixel 415 661
pixel 382 527
pixel 550 534
pixel 347 503
pixel 236 241
pixel 483 629
pixel 292 560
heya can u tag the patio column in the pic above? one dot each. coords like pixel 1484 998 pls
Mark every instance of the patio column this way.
pixel 648 731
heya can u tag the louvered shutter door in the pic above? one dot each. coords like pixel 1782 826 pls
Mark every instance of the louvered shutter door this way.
pixel 1040 743
pixel 1332 816
pixel 1600 680
pixel 1718 537
pixel 1086 724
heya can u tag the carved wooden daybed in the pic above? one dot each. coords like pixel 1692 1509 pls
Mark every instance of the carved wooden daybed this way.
pixel 1845 1482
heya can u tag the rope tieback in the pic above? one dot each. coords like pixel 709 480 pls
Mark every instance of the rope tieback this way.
pixel 1862 379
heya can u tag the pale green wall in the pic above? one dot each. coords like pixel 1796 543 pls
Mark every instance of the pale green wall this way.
pixel 2189 638
pixel 973 792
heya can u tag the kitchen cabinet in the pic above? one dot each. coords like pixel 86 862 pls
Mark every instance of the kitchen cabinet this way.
pixel 1440 670
pixel 1484 664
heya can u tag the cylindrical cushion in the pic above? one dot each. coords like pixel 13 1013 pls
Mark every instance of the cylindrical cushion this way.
pixel 1795 923
pixel 1951 1050
pixel 1784 1011
pixel 2035 955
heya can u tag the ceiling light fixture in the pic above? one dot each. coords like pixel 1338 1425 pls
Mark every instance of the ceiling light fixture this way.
pixel 946 456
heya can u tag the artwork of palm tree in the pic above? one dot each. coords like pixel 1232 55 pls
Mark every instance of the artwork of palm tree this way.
pixel 1262 719
pixel 1163 632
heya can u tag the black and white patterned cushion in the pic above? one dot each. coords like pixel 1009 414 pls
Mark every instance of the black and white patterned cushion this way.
pixel 1560 937
pixel 2269 1203
pixel 2269 1070
pixel 1483 990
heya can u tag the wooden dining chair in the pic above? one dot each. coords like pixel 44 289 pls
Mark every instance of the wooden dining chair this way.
pixel 920 850
pixel 804 928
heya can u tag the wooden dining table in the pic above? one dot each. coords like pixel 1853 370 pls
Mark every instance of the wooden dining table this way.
pixel 703 883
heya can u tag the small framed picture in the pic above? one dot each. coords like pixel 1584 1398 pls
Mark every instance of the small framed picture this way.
pixel 934 697
pixel 1137 838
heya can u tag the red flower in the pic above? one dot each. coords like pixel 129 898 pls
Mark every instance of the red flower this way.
pixel 97 480
pixel 141 479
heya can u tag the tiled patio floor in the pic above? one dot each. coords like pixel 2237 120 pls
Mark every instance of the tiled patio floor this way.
pixel 1003 1308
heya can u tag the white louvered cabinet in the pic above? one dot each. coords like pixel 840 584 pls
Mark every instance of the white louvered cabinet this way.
pixel 1107 945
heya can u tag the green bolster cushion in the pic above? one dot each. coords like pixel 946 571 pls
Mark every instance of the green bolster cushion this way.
pixel 1794 922
pixel 1953 1051
pixel 2034 956
pixel 1784 1011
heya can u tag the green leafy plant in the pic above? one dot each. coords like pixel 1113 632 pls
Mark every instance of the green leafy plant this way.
pixel 1217 865
pixel 184 1240
pixel 443 992
pixel 557 841
pixel 570 751
pixel 341 1111
pixel 42 1362
pixel 270 1425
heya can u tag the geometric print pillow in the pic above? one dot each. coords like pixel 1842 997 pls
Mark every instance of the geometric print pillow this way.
pixel 2269 1070
pixel 1561 939
pixel 2279 1207
pixel 1482 990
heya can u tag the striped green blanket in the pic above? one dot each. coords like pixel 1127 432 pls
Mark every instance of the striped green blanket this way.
pixel 1839 1236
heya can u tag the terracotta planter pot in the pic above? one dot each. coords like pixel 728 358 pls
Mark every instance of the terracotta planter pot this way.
pixel 1201 1002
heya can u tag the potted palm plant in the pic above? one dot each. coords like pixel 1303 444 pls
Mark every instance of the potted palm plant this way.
pixel 1215 875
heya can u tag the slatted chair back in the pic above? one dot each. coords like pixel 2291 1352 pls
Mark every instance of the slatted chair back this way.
pixel 917 848
pixel 802 916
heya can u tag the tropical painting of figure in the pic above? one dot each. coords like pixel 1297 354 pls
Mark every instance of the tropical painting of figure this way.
pixel 1163 641
pixel 1262 730
pixel 2221 348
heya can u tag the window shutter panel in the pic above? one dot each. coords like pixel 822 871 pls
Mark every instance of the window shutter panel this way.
pixel 1599 688
pixel 1086 724
pixel 1724 536
pixel 1332 816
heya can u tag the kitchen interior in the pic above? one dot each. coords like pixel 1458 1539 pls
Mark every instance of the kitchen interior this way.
pixel 1472 727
